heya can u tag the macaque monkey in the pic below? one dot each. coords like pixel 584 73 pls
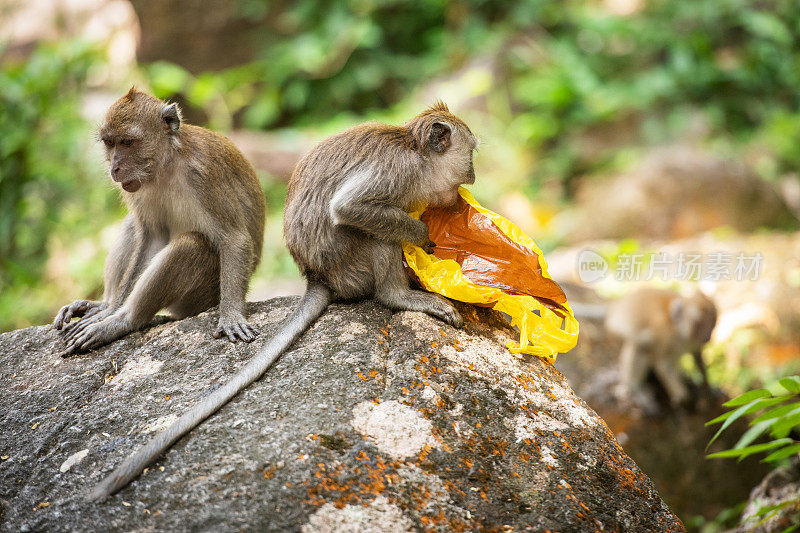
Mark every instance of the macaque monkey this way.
pixel 346 217
pixel 658 326
pixel 193 234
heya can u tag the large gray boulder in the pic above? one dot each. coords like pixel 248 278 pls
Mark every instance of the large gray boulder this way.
pixel 676 192
pixel 373 422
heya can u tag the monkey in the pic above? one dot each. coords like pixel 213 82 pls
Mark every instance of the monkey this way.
pixel 657 326
pixel 193 235
pixel 345 219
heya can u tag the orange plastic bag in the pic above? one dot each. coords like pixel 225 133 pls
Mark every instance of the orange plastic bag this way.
pixel 482 258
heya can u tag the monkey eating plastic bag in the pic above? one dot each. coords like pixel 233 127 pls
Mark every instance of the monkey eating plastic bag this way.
pixel 482 258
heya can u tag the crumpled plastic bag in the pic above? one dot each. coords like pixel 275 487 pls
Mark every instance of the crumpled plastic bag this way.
pixel 484 259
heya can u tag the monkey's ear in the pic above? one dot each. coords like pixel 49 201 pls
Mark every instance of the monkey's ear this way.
pixel 171 116
pixel 439 140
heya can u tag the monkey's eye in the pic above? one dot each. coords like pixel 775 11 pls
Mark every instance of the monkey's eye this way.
pixel 126 142
pixel 109 143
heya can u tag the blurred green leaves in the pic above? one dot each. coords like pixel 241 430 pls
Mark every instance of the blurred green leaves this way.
pixel 559 68
pixel 43 164
pixel 778 408
pixel 40 138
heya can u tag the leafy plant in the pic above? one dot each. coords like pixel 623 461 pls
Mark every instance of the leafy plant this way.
pixel 778 417
pixel 778 410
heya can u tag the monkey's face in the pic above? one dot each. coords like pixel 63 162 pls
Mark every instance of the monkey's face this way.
pixel 126 157
pixel 705 319
pixel 694 318
pixel 137 132
pixel 453 156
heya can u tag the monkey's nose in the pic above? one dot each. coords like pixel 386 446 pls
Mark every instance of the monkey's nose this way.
pixel 470 177
pixel 115 171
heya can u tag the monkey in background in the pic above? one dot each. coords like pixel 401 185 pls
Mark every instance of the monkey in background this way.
pixel 193 235
pixel 658 326
pixel 345 220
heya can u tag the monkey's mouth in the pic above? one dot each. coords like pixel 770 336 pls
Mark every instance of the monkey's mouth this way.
pixel 445 198
pixel 132 185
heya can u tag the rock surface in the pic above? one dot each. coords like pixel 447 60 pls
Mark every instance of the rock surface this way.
pixel 373 422
pixel 774 504
pixel 676 192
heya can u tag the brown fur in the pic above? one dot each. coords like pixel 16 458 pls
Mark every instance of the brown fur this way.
pixel 345 219
pixel 194 232
pixel 658 326
pixel 398 168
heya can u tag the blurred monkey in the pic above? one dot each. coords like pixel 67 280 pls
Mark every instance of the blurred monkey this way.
pixel 658 326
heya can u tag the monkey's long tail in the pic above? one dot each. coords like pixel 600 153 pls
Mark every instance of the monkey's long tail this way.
pixel 313 304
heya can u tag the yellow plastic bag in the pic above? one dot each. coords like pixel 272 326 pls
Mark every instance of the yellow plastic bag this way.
pixel 485 259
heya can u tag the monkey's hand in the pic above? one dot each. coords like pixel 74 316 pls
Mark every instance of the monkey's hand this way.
pixel 95 334
pixel 78 308
pixel 428 246
pixel 421 235
pixel 236 328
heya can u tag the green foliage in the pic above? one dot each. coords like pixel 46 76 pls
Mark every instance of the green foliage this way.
pixel 778 410
pixel 43 165
pixel 725 520
pixel 723 61
pixel 559 69
pixel 778 418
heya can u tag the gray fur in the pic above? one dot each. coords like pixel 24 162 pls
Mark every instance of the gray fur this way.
pixel 313 304
pixel 345 220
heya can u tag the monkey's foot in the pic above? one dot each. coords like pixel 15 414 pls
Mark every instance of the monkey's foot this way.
pixel 447 313
pixel 78 308
pixel 236 329
pixel 97 334
pixel 426 302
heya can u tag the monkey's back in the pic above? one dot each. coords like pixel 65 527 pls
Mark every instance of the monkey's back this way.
pixel 642 314
pixel 232 192
pixel 318 246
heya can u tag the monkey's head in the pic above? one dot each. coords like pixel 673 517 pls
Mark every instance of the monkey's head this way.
pixel 694 318
pixel 139 133
pixel 448 144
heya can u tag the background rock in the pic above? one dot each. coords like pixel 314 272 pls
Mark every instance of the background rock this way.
pixel 197 34
pixel 676 192
pixel 780 490
pixel 276 154
pixel 24 24
pixel 390 421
